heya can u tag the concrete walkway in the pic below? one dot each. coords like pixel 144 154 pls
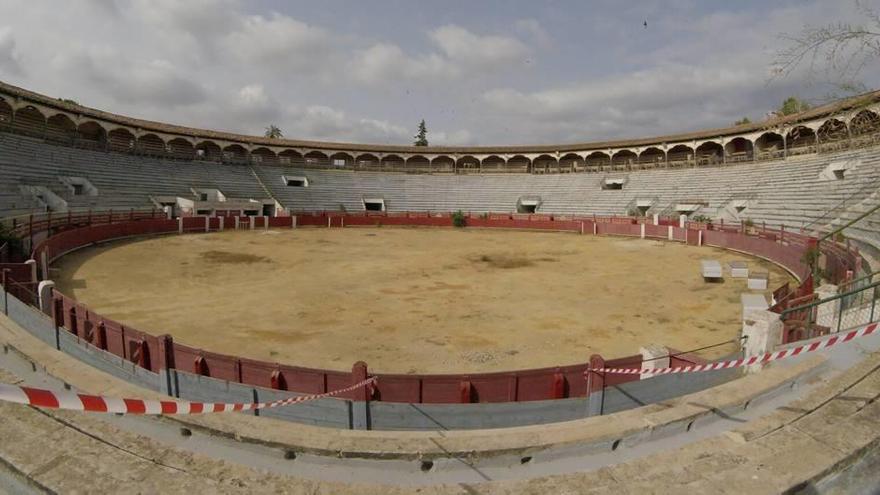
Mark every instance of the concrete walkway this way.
pixel 805 441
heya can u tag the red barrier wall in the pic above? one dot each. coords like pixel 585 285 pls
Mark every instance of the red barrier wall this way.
pixel 20 272
pixel 521 385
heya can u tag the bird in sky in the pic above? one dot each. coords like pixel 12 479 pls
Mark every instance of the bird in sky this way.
pixel 646 24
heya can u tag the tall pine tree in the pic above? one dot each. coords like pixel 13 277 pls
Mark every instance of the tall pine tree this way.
pixel 421 138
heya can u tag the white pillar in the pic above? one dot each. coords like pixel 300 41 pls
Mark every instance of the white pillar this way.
pixel 699 238
pixel 33 264
pixel 582 228
pixel 682 221
pixel 252 222
pixel 656 219
pixel 653 356
pixel 207 224
pixel 44 292
pixel 826 313
pixel 669 233
pixel 595 228
pixel 762 330
pixel 237 220
pixel 265 222
pixel 179 225
pixel 642 230
pixel 293 221
pixel 222 223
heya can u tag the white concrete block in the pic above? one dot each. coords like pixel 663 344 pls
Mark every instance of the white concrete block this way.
pixel 758 280
pixel 654 356
pixel 739 269
pixel 711 269
pixel 762 330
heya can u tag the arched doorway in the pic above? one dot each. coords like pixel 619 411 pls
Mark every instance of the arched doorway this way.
pixel 710 153
pixel 739 149
pixel 60 128
pixel 770 145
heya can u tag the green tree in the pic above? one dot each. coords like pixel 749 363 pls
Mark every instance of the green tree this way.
pixel 792 105
pixel 421 137
pixel 273 132
pixel 742 121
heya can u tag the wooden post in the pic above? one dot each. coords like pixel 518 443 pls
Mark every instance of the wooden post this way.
pixel 595 386
pixel 360 406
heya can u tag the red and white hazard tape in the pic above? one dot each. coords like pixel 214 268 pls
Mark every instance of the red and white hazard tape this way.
pixel 735 363
pixel 95 403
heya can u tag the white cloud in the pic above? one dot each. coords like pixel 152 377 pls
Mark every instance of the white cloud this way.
pixel 531 28
pixel 253 94
pixel 280 42
pixel 477 52
pixel 473 75
pixel 460 53
pixel 386 61
pixel 9 56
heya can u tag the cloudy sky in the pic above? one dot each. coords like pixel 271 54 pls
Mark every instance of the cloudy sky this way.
pixel 500 72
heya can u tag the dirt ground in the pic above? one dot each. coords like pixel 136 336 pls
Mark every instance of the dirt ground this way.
pixel 413 300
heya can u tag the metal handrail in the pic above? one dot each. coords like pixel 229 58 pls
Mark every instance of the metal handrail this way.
pixel 828 299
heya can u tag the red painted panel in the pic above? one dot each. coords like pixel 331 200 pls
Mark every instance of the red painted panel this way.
pixel 304 380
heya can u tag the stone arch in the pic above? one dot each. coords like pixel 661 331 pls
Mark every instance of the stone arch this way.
pixel 467 162
pixel 316 158
pixel 597 160
pixel 518 163
pixel 800 139
pixel 120 139
pixel 571 162
pixel 739 149
pixel 832 130
pixel 60 127
pixel 622 158
pixel 29 120
pixel 494 163
pixel 290 157
pixel 680 154
pixel 91 135
pixel 418 162
pixel 770 145
pixel 264 155
pixel 443 163
pixel 181 148
pixel 864 122
pixel 151 144
pixel 209 150
pixel 5 113
pixel 652 155
pixel 341 159
pixel 367 160
pixel 544 163
pixel 235 153
pixel 709 153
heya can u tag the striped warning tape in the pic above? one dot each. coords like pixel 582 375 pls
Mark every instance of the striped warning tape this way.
pixel 735 363
pixel 95 403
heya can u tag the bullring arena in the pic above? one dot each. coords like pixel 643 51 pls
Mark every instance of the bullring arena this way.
pixel 327 297
pixel 690 312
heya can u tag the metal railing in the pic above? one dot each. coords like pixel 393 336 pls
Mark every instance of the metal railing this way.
pixel 834 314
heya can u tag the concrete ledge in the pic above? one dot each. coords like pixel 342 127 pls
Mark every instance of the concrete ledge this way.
pixel 600 433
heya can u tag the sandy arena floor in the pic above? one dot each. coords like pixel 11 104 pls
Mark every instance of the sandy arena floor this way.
pixel 413 300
